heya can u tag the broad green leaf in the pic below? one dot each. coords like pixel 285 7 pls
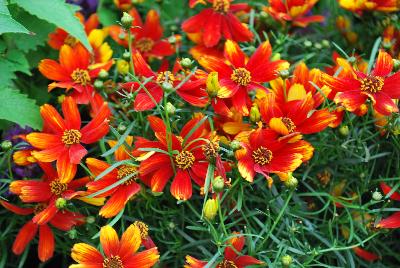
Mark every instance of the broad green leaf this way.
pixel 59 13
pixel 7 23
pixel 18 108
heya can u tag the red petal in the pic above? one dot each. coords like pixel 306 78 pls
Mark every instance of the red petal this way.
pixel 234 54
pixel 386 189
pixel 52 119
pixel 393 221
pixel 383 65
pixel 71 114
pixel 366 255
pixel 181 187
pixel 384 104
pixel 351 100
pixel 76 153
pixel 46 243
pixel 15 209
pixel 25 235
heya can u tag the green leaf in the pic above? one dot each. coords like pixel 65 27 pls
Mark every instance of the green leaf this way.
pixel 18 108
pixel 7 23
pixel 59 13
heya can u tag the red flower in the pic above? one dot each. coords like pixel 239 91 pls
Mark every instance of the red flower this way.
pixel 217 22
pixel 377 86
pixel 237 74
pixel 61 138
pixel 294 11
pixel 183 158
pixel 393 221
pixel 73 72
pixel 63 221
pixel 265 153
pixel 364 254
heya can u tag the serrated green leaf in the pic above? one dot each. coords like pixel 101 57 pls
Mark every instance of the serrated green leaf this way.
pixel 7 23
pixel 18 108
pixel 59 13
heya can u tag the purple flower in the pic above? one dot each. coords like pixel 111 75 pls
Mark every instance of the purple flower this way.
pixel 88 6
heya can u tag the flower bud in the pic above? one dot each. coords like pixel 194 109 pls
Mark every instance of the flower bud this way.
pixel 396 65
pixel 291 182
pixel 6 145
pixel 325 43
pixel 170 108
pixel 235 145
pixel 276 56
pixel 186 63
pixel 98 84
pixel 103 74
pixel 284 74
pixel 122 66
pixel 377 196
pixel 318 45
pixel 121 128
pixel 126 56
pixel 344 130
pixel 254 113
pixel 61 203
pixel 210 209
pixel 212 84
pixel 307 43
pixel 168 87
pixel 126 21
pixel 60 98
pixel 218 184
pixel 72 234
pixel 286 261
pixel 90 219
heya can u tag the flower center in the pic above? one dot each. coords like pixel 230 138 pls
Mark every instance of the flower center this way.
pixel 227 264
pixel 166 76
pixel 80 76
pixel 70 40
pixel 125 171
pixel 289 124
pixel 241 76
pixel 57 187
pixel 221 6
pixel 71 136
pixel 372 84
pixel 143 228
pixel 113 262
pixel 184 160
pixel 144 44
pixel 211 150
pixel 262 156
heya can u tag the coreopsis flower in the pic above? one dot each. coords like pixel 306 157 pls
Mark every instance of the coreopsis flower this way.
pixel 123 4
pixel 148 36
pixel 116 253
pixel 186 161
pixel 73 71
pixel 147 242
pixel 393 221
pixel 120 194
pixel 294 11
pixel 63 221
pixel 231 257
pixel 62 139
pixel 60 37
pixel 219 22
pixel 191 90
pixel 378 86
pixel 265 153
pixel 237 74
pixel 359 6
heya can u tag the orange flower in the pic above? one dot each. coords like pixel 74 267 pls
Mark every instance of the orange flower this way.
pixel 231 258
pixel 61 138
pixel 63 221
pixel 219 22
pixel 237 74
pixel 294 11
pixel 359 6
pixel 393 221
pixel 73 72
pixel 265 153
pixel 120 194
pixel 378 86
pixel 117 253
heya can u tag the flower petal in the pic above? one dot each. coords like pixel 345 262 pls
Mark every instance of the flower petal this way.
pixel 24 236
pixel 109 241
pixel 86 254
pixel 181 186
pixel 46 243
pixel 130 241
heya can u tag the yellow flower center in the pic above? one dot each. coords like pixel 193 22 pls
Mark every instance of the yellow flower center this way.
pixel 125 171
pixel 71 136
pixel 221 6
pixel 211 150
pixel 166 76
pixel 289 124
pixel 57 187
pixel 371 84
pixel 70 40
pixel 143 228
pixel 184 160
pixel 144 44
pixel 262 156
pixel 80 76
pixel 113 262
pixel 227 264
pixel 241 76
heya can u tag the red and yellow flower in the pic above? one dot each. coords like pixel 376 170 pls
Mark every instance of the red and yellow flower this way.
pixel 61 139
pixel 378 86
pixel 359 6
pixel 237 74
pixel 219 22
pixel 293 11
pixel 117 253
pixel 393 221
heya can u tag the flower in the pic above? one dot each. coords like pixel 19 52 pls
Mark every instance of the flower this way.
pixel 294 11
pixel 231 258
pixel 186 161
pixel 237 74
pixel 354 89
pixel 117 253
pixel 102 51
pixel 73 72
pixel 359 6
pixel 217 22
pixel 63 221
pixel 61 139
pixel 120 194
pixel 265 153
pixel 393 221
pixel 88 6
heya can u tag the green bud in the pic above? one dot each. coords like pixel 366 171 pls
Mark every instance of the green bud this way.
pixel 318 45
pixel 172 39
pixel 168 87
pixel 396 65
pixel 103 74
pixel 61 203
pixel 286 261
pixel 352 59
pixel 291 182
pixel 126 21
pixel 218 184
pixel 325 43
pixel 121 128
pixel 170 108
pixel 98 84
pixel 284 74
pixel 235 145
pixel 387 45
pixel 344 130
pixel 6 145
pixel 276 56
pixel 210 209
pixel 377 196
pixel 186 63
pixel 127 78
pixel 90 219
pixel 126 56
pixel 264 15
pixel 307 43
pixel 255 114
pixel 173 28
pixel 72 234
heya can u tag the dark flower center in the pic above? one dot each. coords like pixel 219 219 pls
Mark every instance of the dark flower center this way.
pixel 221 6
pixel 71 136
pixel 371 84
pixel 113 262
pixel 57 187
pixel 143 228
pixel 210 150
pixel 80 76
pixel 262 156
pixel 166 76
pixel 184 160
pixel 241 76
